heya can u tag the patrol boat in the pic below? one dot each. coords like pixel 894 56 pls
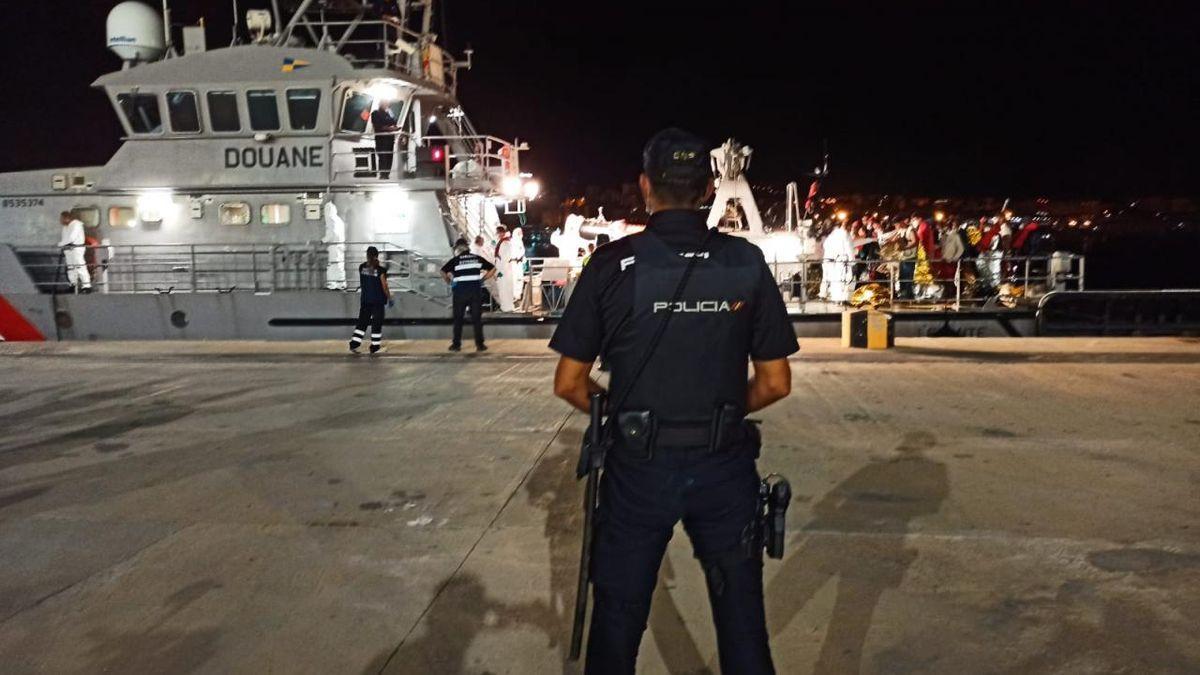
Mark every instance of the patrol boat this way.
pixel 251 178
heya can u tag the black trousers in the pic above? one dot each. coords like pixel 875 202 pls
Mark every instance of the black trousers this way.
pixel 372 314
pixel 716 496
pixel 907 269
pixel 385 150
pixel 472 299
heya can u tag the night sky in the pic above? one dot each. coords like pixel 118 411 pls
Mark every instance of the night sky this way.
pixel 954 98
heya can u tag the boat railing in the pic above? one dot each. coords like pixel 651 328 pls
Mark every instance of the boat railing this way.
pixel 230 268
pixel 468 163
pixel 933 284
pixel 547 283
pixel 482 163
pixel 382 43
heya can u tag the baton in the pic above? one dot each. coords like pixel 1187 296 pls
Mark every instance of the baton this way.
pixel 591 501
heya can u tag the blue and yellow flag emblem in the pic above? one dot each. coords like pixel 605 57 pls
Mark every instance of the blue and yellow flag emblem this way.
pixel 290 65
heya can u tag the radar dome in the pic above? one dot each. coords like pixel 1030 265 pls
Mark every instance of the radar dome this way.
pixel 135 32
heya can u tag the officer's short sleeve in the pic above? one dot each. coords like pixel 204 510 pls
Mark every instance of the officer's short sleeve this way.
pixel 486 265
pixel 772 335
pixel 449 266
pixel 580 331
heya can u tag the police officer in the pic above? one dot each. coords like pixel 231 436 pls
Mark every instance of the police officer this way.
pixel 689 400
pixel 373 285
pixel 465 273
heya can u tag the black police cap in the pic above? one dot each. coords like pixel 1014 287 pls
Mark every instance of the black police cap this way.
pixel 676 156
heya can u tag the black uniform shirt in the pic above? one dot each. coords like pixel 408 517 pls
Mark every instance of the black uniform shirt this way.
pixel 602 303
pixel 466 271
pixel 370 279
pixel 381 120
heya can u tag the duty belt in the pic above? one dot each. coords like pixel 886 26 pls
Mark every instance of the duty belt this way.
pixel 641 434
pixel 682 435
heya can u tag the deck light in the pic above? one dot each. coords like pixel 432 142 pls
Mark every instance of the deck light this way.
pixel 155 207
pixel 381 91
pixel 511 187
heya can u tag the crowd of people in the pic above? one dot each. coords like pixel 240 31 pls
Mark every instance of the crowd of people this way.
pixel 921 258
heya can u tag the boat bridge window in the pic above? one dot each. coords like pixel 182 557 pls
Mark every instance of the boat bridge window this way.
pixel 142 112
pixel 122 217
pixel 181 108
pixel 264 110
pixel 356 112
pixel 223 111
pixel 88 215
pixel 303 106
pixel 275 214
pixel 235 213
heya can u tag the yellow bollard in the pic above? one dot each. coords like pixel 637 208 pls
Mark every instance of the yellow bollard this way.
pixel 867 329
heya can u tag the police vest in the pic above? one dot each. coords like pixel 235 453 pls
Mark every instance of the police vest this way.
pixel 701 361
pixel 372 287
pixel 466 271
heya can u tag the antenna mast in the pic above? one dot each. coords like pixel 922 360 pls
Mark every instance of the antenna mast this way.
pixel 166 15
pixel 427 17
pixel 236 25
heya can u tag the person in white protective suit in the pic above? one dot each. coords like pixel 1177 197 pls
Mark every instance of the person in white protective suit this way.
pixel 504 283
pixel 480 248
pixel 335 243
pixel 72 244
pixel 837 270
pixel 558 239
pixel 516 262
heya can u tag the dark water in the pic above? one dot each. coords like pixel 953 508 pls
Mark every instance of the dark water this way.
pixel 1140 253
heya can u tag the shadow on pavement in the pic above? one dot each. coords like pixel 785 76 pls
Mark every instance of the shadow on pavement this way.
pixel 874 506
pixel 460 613
pixel 857 536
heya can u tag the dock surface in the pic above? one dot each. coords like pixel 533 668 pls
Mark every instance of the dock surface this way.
pixel 961 506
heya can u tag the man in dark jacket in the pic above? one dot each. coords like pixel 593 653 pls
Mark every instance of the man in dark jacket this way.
pixel 385 125
pixel 372 279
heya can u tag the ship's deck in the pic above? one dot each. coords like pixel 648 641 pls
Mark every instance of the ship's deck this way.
pixel 1024 506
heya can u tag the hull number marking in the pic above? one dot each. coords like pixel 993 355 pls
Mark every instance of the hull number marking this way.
pixel 22 203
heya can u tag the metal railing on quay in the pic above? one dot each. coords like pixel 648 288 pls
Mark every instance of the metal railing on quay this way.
pixel 1120 312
